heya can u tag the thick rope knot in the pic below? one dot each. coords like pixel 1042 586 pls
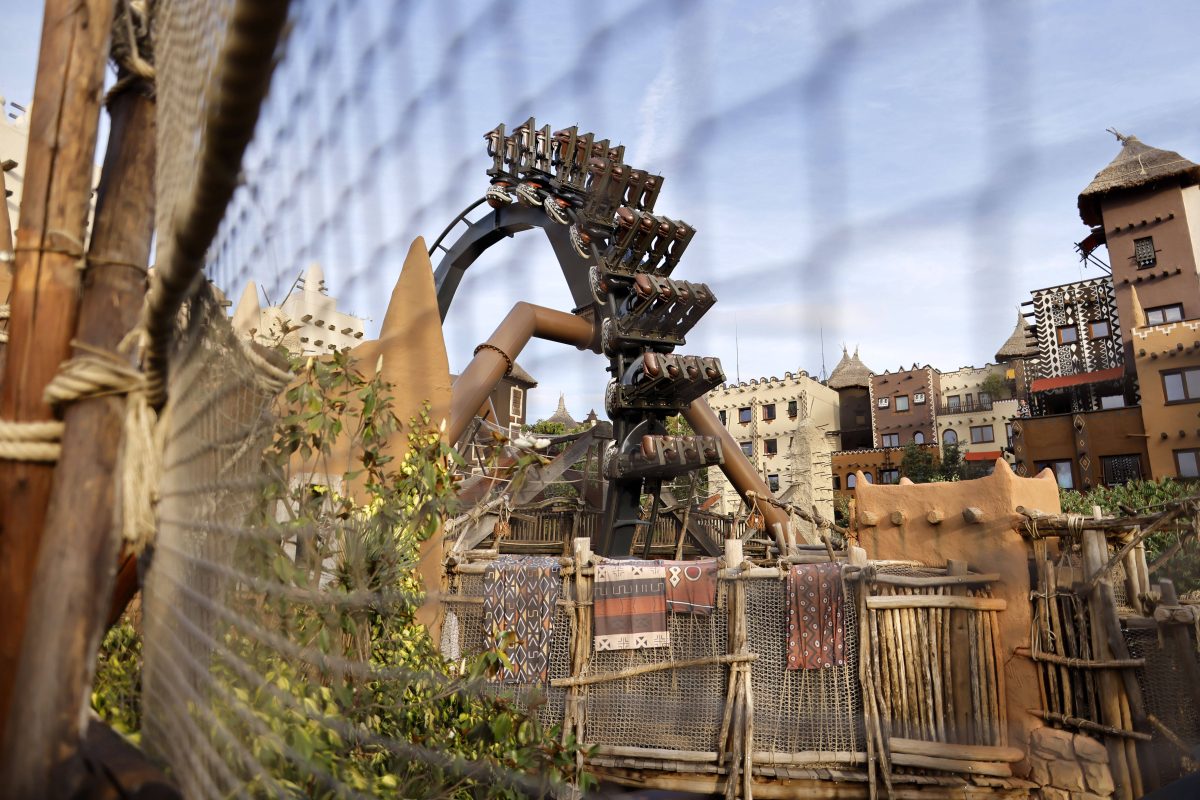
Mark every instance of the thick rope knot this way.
pixel 1075 524
pixel 92 375
pixel 98 373
pixel 30 441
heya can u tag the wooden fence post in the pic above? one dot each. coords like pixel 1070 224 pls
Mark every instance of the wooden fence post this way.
pixel 1114 702
pixel 960 662
pixel 46 277
pixel 575 714
pixel 75 571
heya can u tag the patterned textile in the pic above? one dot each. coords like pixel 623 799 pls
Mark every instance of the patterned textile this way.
pixel 519 595
pixel 815 616
pixel 691 586
pixel 630 605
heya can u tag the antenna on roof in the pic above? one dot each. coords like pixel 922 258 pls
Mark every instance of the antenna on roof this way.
pixel 822 331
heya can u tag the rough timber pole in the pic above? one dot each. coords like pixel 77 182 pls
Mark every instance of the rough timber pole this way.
pixel 74 577
pixel 44 302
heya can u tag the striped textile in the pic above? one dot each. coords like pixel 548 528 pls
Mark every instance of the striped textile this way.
pixel 691 586
pixel 630 605
pixel 815 616
pixel 519 595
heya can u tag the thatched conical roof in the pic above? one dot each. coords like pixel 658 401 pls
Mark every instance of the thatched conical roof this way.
pixel 519 375
pixel 1020 343
pixel 850 371
pixel 560 414
pixel 1137 165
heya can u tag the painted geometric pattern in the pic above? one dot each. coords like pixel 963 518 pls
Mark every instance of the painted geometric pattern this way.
pixel 630 605
pixel 519 597
pixel 1077 305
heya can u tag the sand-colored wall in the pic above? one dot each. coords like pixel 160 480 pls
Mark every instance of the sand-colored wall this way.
pixel 969 380
pixel 1173 242
pixel 803 443
pixel 1174 426
pixel 993 545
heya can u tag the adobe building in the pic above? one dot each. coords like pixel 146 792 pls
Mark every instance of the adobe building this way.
pixel 307 322
pixel 851 379
pixel 974 412
pixel 904 406
pixel 14 137
pixel 1084 424
pixel 882 465
pixel 787 427
pixel 1144 206
pixel 1110 403
pixel 1167 358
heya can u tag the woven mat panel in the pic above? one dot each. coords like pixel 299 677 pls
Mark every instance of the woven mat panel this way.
pixel 1165 690
pixel 669 709
pixel 798 711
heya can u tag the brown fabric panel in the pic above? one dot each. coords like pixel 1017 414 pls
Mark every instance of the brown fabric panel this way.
pixel 691 586
pixel 633 623
pixel 618 590
pixel 815 616
pixel 630 605
pixel 636 605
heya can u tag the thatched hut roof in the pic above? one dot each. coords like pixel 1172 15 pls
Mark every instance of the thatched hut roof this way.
pixel 519 375
pixel 1137 166
pixel 850 371
pixel 561 415
pixel 1020 343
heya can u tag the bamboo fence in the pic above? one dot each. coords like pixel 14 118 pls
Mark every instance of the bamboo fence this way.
pixel 717 711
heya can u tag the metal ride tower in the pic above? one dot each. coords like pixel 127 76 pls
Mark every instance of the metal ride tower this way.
pixel 617 256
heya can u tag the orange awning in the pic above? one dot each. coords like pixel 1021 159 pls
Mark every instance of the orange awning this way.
pixel 1046 384
pixel 984 455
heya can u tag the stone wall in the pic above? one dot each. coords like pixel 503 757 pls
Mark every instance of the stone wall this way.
pixel 1069 766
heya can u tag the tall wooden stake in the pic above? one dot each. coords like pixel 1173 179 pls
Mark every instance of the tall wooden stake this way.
pixel 76 568
pixel 44 303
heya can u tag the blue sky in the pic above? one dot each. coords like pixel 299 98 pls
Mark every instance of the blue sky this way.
pixel 892 175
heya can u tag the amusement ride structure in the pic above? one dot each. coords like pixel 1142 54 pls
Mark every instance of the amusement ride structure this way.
pixel 617 256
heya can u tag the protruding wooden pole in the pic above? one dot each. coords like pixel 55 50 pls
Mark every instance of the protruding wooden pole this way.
pixel 75 571
pixel 960 663
pixel 46 277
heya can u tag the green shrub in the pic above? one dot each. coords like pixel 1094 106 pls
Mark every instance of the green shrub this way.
pixel 117 688
pixel 372 706
pixel 1139 497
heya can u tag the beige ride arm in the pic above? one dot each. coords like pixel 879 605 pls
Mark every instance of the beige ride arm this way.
pixel 740 471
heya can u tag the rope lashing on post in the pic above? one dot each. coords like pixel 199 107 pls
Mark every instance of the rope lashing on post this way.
pixel 30 441
pixel 98 373
pixel 132 49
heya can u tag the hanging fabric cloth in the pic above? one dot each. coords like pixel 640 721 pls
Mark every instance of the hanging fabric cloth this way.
pixel 520 596
pixel 691 586
pixel 816 621
pixel 630 605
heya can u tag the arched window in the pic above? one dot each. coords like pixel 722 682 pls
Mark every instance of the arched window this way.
pixel 949 437
pixel 867 477
pixel 919 437
pixel 851 480
pixel 837 481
